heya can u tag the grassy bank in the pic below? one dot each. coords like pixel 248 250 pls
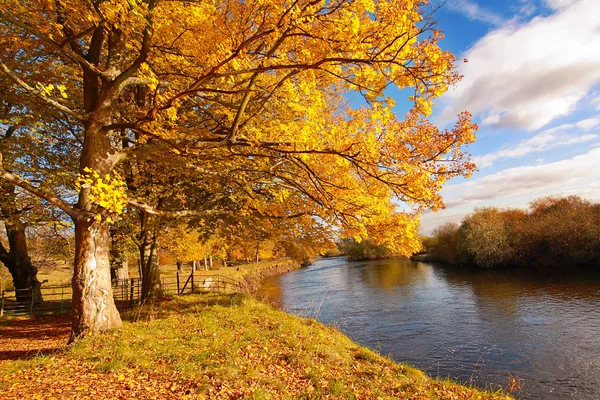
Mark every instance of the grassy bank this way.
pixel 221 346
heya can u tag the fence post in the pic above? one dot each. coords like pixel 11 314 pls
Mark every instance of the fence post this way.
pixel 131 293
pixel 31 302
pixel 192 280
pixel 178 292
pixel 2 304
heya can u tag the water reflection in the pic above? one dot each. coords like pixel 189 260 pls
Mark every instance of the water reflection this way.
pixel 475 326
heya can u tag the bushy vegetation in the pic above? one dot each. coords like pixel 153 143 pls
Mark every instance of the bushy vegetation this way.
pixel 554 234
pixel 364 250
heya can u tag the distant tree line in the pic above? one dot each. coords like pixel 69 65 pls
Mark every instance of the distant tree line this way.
pixel 363 250
pixel 553 234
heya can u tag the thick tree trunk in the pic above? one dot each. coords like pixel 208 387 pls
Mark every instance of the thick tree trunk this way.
pixel 94 309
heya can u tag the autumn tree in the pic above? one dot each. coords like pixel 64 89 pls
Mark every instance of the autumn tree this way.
pixel 255 91
pixel 488 238
pixel 561 233
pixel 30 150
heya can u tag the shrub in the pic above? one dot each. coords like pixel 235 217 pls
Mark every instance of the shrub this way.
pixel 556 233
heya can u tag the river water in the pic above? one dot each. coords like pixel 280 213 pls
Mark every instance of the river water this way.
pixel 478 327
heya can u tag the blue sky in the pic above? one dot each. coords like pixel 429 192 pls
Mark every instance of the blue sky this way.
pixel 532 83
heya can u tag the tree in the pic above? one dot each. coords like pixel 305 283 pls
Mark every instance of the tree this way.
pixel 561 233
pixel 488 238
pixel 252 93
pixel 31 152
pixel 446 245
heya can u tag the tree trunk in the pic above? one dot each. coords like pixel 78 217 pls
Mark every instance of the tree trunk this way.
pixel 151 284
pixel 16 259
pixel 24 274
pixel 119 265
pixel 120 270
pixel 94 309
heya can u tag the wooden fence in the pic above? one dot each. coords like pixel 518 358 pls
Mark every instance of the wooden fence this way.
pixel 126 293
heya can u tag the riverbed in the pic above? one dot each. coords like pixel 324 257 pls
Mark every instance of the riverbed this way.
pixel 481 327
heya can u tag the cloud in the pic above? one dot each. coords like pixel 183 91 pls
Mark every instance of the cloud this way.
pixel 545 140
pixel 516 187
pixel 595 102
pixel 515 181
pixel 558 4
pixel 525 75
pixel 475 12
pixel 524 8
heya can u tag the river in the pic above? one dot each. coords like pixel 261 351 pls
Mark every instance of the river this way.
pixel 475 326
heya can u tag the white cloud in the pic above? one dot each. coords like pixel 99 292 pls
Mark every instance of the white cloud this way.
pixel 525 8
pixel 517 187
pixel 558 4
pixel 527 75
pixel 519 180
pixel 475 12
pixel 588 123
pixel 545 140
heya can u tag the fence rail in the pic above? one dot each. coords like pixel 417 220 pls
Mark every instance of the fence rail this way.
pixel 126 293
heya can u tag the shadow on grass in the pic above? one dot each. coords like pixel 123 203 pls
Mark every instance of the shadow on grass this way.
pixel 27 354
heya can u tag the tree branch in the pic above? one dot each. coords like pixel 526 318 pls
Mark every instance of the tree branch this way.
pixel 175 214
pixel 200 213
pixel 60 46
pixel 63 205
pixel 36 93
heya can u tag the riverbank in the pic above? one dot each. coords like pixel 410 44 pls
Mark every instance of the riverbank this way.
pixel 250 275
pixel 220 346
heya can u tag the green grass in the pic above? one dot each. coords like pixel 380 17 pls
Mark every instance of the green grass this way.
pixel 236 346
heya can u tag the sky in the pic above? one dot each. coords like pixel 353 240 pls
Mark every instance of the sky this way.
pixel 532 83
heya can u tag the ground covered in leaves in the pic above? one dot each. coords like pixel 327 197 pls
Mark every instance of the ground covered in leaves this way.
pixel 26 337
pixel 216 346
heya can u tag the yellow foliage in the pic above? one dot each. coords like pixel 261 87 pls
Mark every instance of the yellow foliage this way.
pixel 109 191
pixel 251 101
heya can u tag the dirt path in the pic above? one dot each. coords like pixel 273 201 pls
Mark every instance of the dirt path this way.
pixel 26 337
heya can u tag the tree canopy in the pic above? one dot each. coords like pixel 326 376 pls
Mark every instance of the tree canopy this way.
pixel 246 105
